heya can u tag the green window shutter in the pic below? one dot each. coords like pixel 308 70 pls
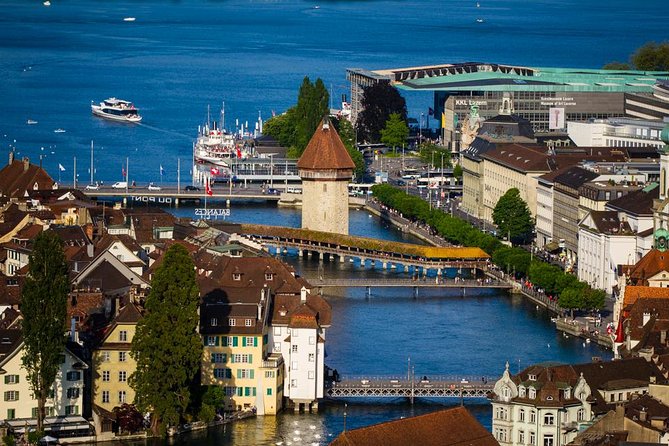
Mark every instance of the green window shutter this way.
pixel 251 373
pixel 225 358
pixel 244 341
pixel 247 391
pixel 213 359
pixel 228 373
pixel 254 391
pixel 18 378
pixel 235 342
pixel 6 379
pixel 269 391
pixel 225 341
pixel 239 373
pixel 264 340
pixel 216 341
pixel 255 341
pixel 250 359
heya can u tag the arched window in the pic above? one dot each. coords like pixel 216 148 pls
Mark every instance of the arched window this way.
pixel 580 415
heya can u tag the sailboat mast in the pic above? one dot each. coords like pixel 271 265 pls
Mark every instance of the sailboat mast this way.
pixel 91 161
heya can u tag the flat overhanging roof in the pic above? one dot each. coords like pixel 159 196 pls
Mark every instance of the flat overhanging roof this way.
pixel 476 76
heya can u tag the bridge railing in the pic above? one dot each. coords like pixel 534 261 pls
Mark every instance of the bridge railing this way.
pixel 450 379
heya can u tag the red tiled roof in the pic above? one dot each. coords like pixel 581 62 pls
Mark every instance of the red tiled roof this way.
pixel 325 151
pixel 649 265
pixel 19 176
pixel 633 293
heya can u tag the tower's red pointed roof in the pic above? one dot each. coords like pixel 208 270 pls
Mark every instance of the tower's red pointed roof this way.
pixel 325 151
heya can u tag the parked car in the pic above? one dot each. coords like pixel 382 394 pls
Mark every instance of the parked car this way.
pixel 272 191
pixel 120 185
pixel 95 186
pixel 153 187
pixel 191 189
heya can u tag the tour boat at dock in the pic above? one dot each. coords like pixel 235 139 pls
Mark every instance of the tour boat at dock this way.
pixel 117 110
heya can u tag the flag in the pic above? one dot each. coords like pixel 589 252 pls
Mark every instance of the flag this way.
pixel 273 114
pixel 430 111
pixel 61 168
pixel 215 171
pixel 123 172
pixel 239 153
pixel 207 188
pixel 162 171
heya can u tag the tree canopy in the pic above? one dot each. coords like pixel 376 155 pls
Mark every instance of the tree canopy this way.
pixel 395 133
pixel 431 153
pixel 295 127
pixel 379 101
pixel 512 216
pixel 166 346
pixel 652 56
pixel 44 309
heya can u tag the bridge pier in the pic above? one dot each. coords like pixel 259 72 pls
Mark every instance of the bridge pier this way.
pixel 176 202
pixel 300 253
pixel 363 262
pixel 384 265
pixel 321 256
pixel 415 292
pixel 342 258
pixel 369 292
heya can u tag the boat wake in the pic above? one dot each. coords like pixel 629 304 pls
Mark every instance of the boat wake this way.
pixel 168 132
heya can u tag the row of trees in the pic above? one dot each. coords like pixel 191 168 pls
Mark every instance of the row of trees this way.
pixel 166 346
pixel 295 127
pixel 650 57
pixel 514 260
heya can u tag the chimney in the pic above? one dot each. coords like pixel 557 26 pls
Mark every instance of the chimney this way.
pixel 90 250
pixel 259 311
pixel 646 318
pixel 11 157
pixel 74 336
pixel 303 295
pixel 642 414
pixel 663 336
pixel 26 164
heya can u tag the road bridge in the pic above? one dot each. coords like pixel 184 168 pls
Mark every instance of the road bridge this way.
pixel 382 282
pixel 401 387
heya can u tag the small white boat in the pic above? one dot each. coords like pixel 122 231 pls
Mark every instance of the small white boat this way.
pixel 129 19
pixel 47 3
pixel 31 122
pixel 59 131
pixel 317 7
pixel 478 5
pixel 479 20
pixel 117 110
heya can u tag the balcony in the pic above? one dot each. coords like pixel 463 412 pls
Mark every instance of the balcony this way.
pixel 273 361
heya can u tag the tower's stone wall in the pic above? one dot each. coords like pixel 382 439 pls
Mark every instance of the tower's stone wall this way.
pixel 325 205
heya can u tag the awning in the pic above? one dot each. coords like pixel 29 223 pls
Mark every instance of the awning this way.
pixel 551 247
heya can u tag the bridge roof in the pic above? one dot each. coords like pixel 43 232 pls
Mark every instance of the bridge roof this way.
pixel 427 252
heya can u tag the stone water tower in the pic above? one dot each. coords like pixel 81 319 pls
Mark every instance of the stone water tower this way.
pixel 326 168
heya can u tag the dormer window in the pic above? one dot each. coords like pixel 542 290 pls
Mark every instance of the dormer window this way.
pixel 214 322
pixel 533 393
pixel 521 391
pixel 532 377
pixel 269 276
pixel 237 276
pixel 567 393
pixel 248 322
pixel 232 322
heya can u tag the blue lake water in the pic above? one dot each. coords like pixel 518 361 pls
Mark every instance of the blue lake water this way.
pixel 180 56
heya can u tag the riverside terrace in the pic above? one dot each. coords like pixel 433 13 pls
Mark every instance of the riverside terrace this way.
pixel 388 254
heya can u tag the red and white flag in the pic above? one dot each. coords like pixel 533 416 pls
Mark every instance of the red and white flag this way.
pixel 207 188
pixel 239 153
pixel 214 171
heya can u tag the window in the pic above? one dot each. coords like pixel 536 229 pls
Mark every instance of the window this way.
pixel 121 396
pixel 242 358
pixel 105 357
pixel 533 416
pixel 232 322
pixel 277 347
pixel 250 340
pixel 11 395
pixel 122 376
pixel 105 375
pixel 73 376
pixel 532 438
pixel 268 276
pixel 294 348
pixel 248 322
pixel 548 440
pixel 73 392
pixel 311 374
pixel 269 391
pixel 219 358
pixel 223 373
pixel 269 374
pixel 312 340
pixel 11 379
pixel 293 383
pixel 549 419
pixel 521 391
pixel 533 393
pixel 11 414
pixel 236 276
pixel 311 357
pixel 277 330
pixel 105 396
pixel 71 410
pixel 214 322
pixel 245 373
pixel 123 336
pixel 122 356
pixel 325 187
pixel 580 415
pixel 521 415
pixel 521 437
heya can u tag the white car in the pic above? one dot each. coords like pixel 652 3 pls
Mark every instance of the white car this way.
pixel 95 186
pixel 153 187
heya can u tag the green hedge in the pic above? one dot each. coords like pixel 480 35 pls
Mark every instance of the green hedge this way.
pixel 510 259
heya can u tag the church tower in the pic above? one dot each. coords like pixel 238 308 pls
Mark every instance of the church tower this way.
pixel 326 168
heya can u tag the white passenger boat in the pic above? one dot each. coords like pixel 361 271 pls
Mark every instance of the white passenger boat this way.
pixel 117 110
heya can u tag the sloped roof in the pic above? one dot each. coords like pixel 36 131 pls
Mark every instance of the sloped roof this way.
pixel 449 427
pixel 634 293
pixel 325 151
pixel 652 263
pixel 19 176
pixel 574 177
pixel 607 222
pixel 638 202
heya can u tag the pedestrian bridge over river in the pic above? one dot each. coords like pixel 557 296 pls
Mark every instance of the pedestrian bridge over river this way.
pixel 396 387
pixel 386 254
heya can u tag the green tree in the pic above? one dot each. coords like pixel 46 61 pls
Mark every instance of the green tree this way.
pixel 617 66
pixel 512 216
pixel 652 57
pixel 347 136
pixel 572 297
pixel 44 310
pixel 312 107
pixel 395 133
pixel 379 101
pixel 457 171
pixel 282 128
pixel 166 346
pixel 431 153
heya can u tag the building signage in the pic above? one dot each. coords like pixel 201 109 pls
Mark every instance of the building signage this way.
pixel 213 212
pixel 556 118
pixel 152 199
pixel 557 101
pixel 470 102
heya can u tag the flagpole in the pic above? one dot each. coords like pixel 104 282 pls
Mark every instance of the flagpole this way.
pixel 127 173
pixel 178 174
pixel 74 177
pixel 91 161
